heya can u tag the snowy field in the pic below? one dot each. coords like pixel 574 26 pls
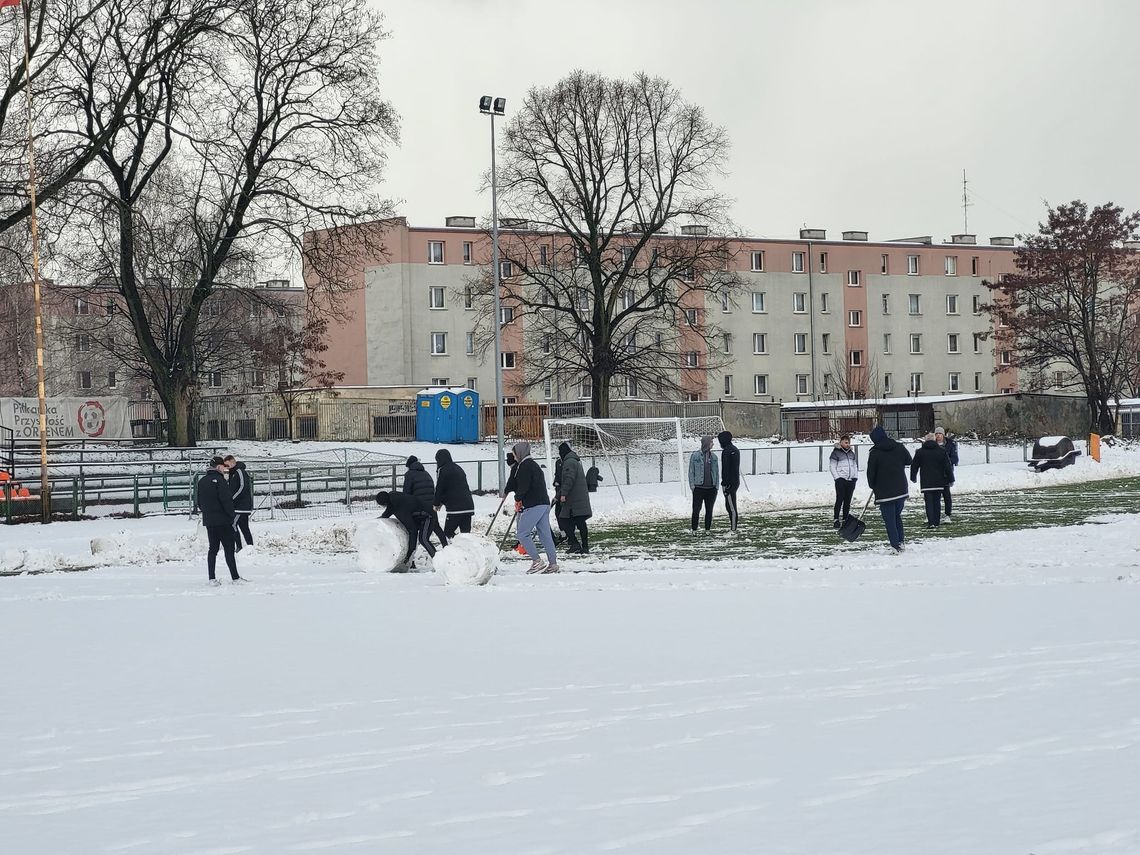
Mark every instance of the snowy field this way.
pixel 975 695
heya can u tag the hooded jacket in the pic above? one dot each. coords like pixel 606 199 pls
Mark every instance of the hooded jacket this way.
pixel 932 465
pixel 573 489
pixel 697 466
pixel 529 480
pixel 418 484
pixel 215 499
pixel 242 485
pixel 950 446
pixel 886 468
pixel 729 462
pixel 451 488
pixel 843 463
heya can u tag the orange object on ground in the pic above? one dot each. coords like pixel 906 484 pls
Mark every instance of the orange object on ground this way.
pixel 1094 446
pixel 23 493
pixel 4 476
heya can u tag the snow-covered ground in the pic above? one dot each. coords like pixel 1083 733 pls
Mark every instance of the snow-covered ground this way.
pixel 974 695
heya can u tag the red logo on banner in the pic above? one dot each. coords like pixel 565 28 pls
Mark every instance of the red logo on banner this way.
pixel 92 419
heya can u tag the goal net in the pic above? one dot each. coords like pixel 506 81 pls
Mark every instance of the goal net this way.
pixel 632 451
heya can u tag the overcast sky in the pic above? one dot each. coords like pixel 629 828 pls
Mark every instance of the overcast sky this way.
pixel 849 114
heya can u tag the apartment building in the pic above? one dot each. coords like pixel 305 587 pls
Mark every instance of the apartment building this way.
pixel 813 319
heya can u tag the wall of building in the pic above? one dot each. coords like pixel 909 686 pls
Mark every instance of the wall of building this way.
pixel 1023 414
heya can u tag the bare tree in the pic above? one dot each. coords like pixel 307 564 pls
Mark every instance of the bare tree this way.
pixel 848 382
pixel 292 355
pixel 1072 304
pixel 264 129
pixel 603 172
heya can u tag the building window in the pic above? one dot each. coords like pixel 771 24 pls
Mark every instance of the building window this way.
pixel 825 340
pixel 915 343
pixel 800 341
pixel 1059 379
pixel 760 384
pixel 759 342
pixel 435 252
pixel 726 302
pixel 435 297
pixel 691 317
pixel 631 387
pixel 886 304
pixel 915 303
pixel 1006 357
pixel 758 302
pixel 510 399
pixel 1007 390
pixel 799 302
pixel 977 342
pixel 82 307
pixel 757 261
pixel 854 277
pixel 797 262
pixel 508 359
pixel 952 343
pixel 506 269
pixel 1002 322
pixel 823 262
pixel 468 252
pixel 112 380
pixel 84 378
pixel 468 298
pixel 826 384
pixel 951 265
pixel 856 358
pixel 438 344
pixel 110 308
pixel 823 308
pixel 887 383
pixel 215 379
pixel 257 378
pixel 915 383
pixel 470 342
pixel 953 383
pixel 627 254
pixel 627 299
pixel 728 385
pixel 472 383
pixel 974 266
pixel 886 342
pixel 912 265
pixel 547 389
pixel 801 384
pixel 977 307
pixel 440 381
pixel 884 262
pixel 951 304
pixel 587 389
pixel 691 359
pixel 726 345
pixel 83 342
pixel 688 274
pixel 506 314
pixel 855 318
pixel 977 381
pixel 543 255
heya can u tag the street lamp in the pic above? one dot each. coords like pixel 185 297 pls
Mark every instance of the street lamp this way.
pixel 492 107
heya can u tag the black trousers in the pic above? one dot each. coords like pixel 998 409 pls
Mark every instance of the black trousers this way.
pixel 946 499
pixel 241 524
pixel 933 499
pixel 844 490
pixel 221 536
pixel 418 527
pixel 730 506
pixel 457 522
pixel 707 496
pixel 577 532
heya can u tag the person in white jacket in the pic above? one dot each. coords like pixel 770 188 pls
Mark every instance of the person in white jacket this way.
pixel 844 468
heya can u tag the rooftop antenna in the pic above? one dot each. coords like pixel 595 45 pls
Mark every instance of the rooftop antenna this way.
pixel 965 206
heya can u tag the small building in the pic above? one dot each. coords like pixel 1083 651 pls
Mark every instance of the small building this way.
pixel 447 415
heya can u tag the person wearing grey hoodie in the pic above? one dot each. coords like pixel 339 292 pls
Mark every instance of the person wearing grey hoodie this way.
pixel 532 504
pixel 704 476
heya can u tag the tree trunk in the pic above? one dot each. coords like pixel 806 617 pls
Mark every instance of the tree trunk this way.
pixel 600 400
pixel 179 402
pixel 1106 419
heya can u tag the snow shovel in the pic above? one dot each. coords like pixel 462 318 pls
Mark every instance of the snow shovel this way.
pixel 853 529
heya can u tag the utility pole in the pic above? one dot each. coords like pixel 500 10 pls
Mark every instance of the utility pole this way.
pixel 965 206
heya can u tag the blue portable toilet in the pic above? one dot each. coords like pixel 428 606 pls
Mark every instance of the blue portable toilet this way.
pixel 447 415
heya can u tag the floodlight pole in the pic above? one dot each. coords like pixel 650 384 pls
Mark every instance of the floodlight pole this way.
pixel 498 320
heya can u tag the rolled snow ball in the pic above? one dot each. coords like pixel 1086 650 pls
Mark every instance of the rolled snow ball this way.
pixel 469 559
pixel 12 559
pixel 380 545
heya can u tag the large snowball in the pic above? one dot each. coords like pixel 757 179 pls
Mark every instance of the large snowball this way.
pixel 469 559
pixel 380 545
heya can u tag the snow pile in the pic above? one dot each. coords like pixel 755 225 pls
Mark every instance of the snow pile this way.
pixel 380 544
pixel 469 559
pixel 123 547
pixel 322 539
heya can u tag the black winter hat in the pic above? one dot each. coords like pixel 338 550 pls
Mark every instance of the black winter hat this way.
pixel 725 438
pixel 411 460
pixel 382 497
pixel 563 449
pixel 442 456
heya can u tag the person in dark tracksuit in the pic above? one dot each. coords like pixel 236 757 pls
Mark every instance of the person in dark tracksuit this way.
pixel 729 475
pixel 242 485
pixel 573 499
pixel 215 501
pixel 408 512
pixel 886 476
pixel 931 465
pixel 419 485
pixel 452 492
pixel 950 446
pixel 704 475
pixel 845 472
pixel 562 522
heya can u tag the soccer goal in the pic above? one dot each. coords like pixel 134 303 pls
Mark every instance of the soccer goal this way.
pixel 632 451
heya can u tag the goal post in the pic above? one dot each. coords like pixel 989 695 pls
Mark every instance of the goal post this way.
pixel 632 451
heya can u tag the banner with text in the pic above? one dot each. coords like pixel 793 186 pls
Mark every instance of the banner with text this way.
pixel 67 418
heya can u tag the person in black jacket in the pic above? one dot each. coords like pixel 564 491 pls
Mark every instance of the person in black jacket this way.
pixel 729 475
pixel 886 476
pixel 950 446
pixel 932 464
pixel 532 503
pixel 453 493
pixel 418 485
pixel 242 485
pixel 564 529
pixel 409 513
pixel 215 501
